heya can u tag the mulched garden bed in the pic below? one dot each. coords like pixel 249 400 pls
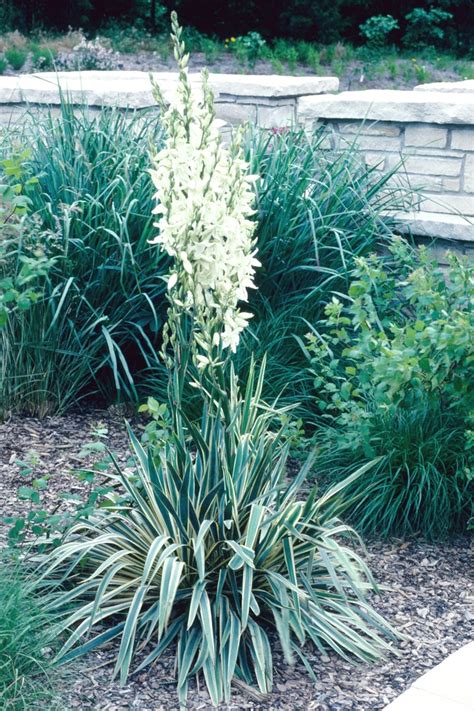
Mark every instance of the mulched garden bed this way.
pixel 429 598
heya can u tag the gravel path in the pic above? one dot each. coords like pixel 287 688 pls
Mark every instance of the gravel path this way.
pixel 430 598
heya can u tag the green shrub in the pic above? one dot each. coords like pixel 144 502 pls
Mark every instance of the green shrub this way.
pixel 249 47
pixel 425 28
pixel 3 64
pixel 16 57
pixel 393 372
pixel 376 29
pixel 26 642
pixel 42 57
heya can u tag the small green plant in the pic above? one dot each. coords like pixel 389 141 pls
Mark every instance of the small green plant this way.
pixel 39 527
pixel 421 72
pixel 248 48
pixel 464 69
pixel 425 28
pixel 42 57
pixel 212 49
pixel 376 29
pixel 393 68
pixel 392 374
pixel 23 260
pixel 27 642
pixel 3 64
pixel 277 65
pixel 16 57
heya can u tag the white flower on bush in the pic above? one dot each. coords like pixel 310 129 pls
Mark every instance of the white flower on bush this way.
pixel 204 205
pixel 86 55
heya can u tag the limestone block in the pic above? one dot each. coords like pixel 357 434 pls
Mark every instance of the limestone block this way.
pixel 463 139
pixel 133 88
pixel 376 160
pixel 262 100
pixel 9 90
pixel 442 226
pixel 11 114
pixel 423 151
pixel 469 174
pixel 390 105
pixel 376 143
pixel 448 202
pixel 276 116
pixel 448 86
pixel 435 183
pixel 370 129
pixel 429 136
pixel 270 85
pixel 432 165
pixel 236 113
pixel 452 679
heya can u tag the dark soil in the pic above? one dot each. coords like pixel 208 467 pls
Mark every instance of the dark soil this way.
pixel 428 595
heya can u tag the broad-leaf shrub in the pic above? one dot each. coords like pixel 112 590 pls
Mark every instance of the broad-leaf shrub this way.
pixel 23 261
pixel 204 546
pixel 376 29
pixel 393 368
pixel 426 28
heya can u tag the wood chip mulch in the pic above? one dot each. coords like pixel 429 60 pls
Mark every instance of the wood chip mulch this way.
pixel 430 598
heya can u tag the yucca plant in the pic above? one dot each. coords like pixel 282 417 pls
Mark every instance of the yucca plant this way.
pixel 209 552
pixel 205 548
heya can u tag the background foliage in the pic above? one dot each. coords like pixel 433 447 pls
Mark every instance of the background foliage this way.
pixel 93 322
pixel 320 20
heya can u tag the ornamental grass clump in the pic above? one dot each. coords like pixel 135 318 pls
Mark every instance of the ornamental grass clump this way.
pixel 204 549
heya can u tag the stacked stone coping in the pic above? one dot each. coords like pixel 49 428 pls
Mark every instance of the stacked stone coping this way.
pixel 467 85
pixel 431 132
pixel 264 99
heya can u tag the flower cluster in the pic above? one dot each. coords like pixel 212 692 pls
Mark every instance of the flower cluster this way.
pixel 87 55
pixel 204 205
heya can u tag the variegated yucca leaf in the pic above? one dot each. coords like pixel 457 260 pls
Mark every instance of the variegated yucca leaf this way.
pixel 212 553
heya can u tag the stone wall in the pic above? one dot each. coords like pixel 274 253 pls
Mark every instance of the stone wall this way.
pixel 266 100
pixel 428 134
pixel 430 131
